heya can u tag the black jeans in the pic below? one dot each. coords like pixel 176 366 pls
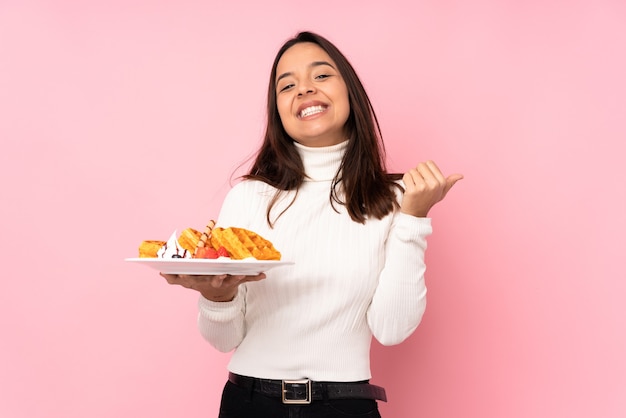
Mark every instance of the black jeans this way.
pixel 238 402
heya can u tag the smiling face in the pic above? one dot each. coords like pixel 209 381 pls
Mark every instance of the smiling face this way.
pixel 311 96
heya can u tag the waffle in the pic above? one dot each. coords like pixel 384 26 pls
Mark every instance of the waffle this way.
pixel 242 243
pixel 148 249
pixel 189 239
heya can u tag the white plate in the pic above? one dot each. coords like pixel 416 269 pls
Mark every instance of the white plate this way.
pixel 204 266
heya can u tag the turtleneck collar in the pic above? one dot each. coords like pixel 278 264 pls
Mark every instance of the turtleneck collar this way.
pixel 321 163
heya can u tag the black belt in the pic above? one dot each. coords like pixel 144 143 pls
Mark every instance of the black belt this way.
pixel 304 391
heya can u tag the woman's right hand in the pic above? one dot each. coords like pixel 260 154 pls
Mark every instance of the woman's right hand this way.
pixel 220 288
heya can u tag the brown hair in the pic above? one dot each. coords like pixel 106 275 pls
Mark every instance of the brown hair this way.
pixel 367 190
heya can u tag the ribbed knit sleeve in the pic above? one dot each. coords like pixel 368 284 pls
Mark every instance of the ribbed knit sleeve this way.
pixel 222 323
pixel 400 297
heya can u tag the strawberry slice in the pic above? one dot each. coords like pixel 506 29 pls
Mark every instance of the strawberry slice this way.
pixel 222 252
pixel 206 252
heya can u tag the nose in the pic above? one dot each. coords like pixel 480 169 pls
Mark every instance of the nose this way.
pixel 305 88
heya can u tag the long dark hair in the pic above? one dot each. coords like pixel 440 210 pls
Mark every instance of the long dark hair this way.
pixel 366 189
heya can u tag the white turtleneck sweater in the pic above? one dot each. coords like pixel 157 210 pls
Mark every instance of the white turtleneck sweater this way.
pixel 315 319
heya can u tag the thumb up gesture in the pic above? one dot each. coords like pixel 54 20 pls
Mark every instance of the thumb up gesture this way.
pixel 425 186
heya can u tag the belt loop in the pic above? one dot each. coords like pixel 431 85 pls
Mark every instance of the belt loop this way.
pixel 249 386
pixel 250 391
pixel 325 394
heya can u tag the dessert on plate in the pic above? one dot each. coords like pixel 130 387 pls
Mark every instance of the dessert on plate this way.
pixel 232 242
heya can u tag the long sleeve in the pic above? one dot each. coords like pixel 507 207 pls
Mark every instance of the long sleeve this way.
pixel 222 323
pixel 400 297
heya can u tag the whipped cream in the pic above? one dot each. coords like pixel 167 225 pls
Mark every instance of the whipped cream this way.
pixel 172 249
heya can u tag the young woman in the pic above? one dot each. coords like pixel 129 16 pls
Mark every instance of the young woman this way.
pixel 319 190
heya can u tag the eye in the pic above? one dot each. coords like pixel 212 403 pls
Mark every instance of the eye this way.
pixel 322 76
pixel 285 87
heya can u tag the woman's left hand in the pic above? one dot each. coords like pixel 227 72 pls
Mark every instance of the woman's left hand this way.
pixel 425 185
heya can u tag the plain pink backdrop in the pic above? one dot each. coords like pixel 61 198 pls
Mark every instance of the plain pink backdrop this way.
pixel 123 120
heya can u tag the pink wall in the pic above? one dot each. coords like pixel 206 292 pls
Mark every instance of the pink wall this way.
pixel 122 121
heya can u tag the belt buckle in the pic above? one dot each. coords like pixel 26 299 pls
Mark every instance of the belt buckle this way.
pixel 294 385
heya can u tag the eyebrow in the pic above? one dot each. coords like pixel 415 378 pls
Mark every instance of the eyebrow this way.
pixel 311 65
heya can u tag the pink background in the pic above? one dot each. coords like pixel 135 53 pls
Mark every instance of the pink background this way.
pixel 123 120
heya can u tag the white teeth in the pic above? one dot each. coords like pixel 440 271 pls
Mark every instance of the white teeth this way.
pixel 311 111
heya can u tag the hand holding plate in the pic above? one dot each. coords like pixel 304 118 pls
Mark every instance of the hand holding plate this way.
pixel 218 288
